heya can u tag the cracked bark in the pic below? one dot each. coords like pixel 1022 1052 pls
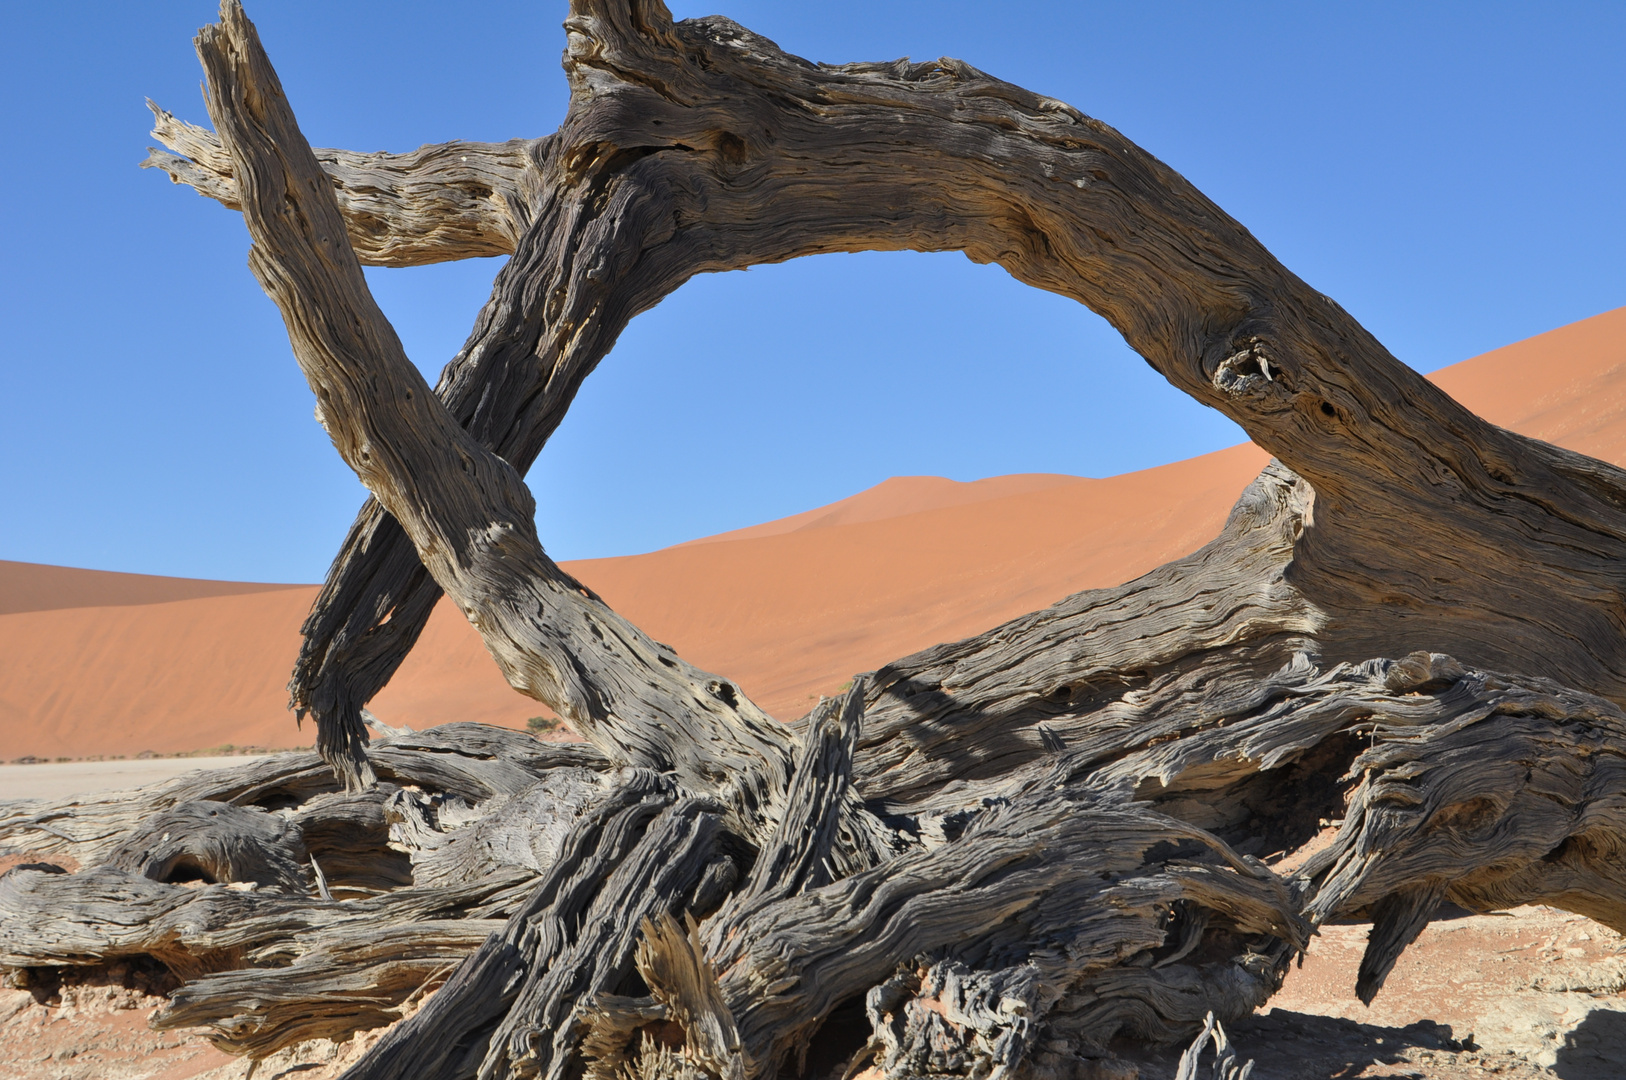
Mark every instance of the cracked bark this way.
pixel 991 856
pixel 699 146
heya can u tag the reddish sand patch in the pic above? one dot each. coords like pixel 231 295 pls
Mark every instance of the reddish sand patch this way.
pixel 94 1026
pixel 98 1031
pixel 791 608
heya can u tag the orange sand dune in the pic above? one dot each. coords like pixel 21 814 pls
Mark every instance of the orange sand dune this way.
pixel 790 608
pixel 1567 386
pixel 33 587
pixel 794 615
pixel 186 675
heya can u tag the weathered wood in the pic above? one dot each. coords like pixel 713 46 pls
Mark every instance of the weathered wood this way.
pixel 456 200
pixel 471 762
pixel 105 913
pixel 451 1035
pixel 543 1032
pixel 350 836
pixel 735 153
pixel 524 830
pixel 342 984
pixel 1096 669
pixel 823 832
pixel 466 510
pixel 1489 790
pixel 218 842
pixel 1053 831
pixel 1048 894
pixel 1223 1066
pixel 270 966
pixel 683 994
pixel 1514 794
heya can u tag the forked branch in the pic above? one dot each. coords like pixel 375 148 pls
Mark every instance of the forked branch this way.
pixel 467 511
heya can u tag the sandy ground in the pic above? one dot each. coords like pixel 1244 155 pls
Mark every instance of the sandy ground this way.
pixel 62 779
pixel 1535 992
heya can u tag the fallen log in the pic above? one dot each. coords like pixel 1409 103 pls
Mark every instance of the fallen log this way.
pixel 993 856
pixel 1090 890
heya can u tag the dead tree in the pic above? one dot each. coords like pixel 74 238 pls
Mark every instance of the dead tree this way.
pixel 991 857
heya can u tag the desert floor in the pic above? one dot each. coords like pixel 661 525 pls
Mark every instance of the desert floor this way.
pixel 63 779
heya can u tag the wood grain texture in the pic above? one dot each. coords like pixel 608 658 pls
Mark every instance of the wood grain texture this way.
pixel 456 200
pixel 988 858
pixel 1039 886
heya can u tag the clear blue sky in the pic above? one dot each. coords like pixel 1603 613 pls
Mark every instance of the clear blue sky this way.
pixel 1450 173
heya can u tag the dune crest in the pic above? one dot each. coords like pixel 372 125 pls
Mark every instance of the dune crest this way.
pixel 896 497
pixel 38 587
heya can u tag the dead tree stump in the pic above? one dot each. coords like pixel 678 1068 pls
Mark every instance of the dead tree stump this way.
pixel 991 857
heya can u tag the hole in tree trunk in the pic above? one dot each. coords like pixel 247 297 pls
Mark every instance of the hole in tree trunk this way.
pixel 1263 813
pixel 183 871
pixel 844 1032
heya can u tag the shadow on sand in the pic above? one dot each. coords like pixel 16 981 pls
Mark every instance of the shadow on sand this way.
pixel 1301 1046
pixel 1595 1049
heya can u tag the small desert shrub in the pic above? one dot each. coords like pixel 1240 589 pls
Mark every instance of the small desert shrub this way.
pixel 541 725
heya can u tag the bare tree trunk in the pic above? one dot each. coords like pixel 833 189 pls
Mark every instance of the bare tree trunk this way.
pixel 993 855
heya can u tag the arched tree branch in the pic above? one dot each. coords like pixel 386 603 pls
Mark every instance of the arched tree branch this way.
pixel 1053 828
pixel 698 146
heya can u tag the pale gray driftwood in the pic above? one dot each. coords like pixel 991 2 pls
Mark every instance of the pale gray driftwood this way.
pixel 267 960
pixel 1374 724
pixel 1048 905
pixel 452 1034
pixel 471 762
pixel 214 841
pixel 344 984
pixel 460 503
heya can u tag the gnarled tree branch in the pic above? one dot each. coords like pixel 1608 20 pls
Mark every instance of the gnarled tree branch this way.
pixel 466 510
pixel 1054 828
pixel 723 151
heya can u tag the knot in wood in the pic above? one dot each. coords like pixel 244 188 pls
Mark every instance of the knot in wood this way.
pixel 1247 371
pixel 723 691
pixel 1422 672
pixel 217 843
